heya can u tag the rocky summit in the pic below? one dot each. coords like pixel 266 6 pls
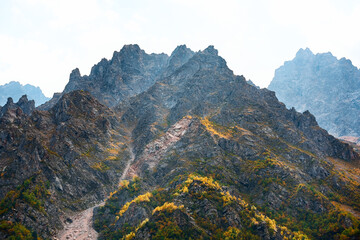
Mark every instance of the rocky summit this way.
pixel 194 153
pixel 23 105
pixel 326 86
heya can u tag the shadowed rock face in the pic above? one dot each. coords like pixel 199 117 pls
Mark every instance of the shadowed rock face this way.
pixel 329 88
pixel 239 134
pixel 201 147
pixel 205 86
pixel 130 72
pixel 23 105
pixel 58 160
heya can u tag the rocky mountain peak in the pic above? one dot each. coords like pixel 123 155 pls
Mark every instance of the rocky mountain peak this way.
pixel 98 70
pixel 346 61
pixel 74 78
pixel 180 50
pixel 9 101
pixel 181 47
pixel 129 72
pixel 131 48
pixel 303 53
pixel 75 74
pixel 9 105
pixel 211 50
pixel 24 104
pixel 23 99
pixel 209 59
pixel 327 87
pixel 179 56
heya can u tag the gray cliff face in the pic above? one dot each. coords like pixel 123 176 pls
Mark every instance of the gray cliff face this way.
pixel 23 104
pixel 129 72
pixel 15 90
pixel 57 161
pixel 327 87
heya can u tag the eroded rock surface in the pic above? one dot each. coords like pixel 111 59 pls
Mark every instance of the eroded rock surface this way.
pixel 326 86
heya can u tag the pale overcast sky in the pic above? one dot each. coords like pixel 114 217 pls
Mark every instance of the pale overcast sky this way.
pixel 41 41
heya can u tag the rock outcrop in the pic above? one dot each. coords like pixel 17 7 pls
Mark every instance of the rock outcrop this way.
pixel 329 88
pixel 129 72
pixel 23 104
pixel 49 104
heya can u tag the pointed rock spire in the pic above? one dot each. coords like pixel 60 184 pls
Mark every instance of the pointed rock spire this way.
pixel 211 50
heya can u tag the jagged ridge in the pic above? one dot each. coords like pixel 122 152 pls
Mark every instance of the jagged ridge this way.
pixel 326 86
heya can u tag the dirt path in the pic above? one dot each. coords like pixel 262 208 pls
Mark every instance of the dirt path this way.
pixel 81 227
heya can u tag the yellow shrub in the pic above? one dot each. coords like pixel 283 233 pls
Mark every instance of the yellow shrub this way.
pixel 205 180
pixel 227 197
pixel 214 129
pixel 170 207
pixel 300 236
pixel 141 198
pixel 254 221
pixel 231 233
pixel 123 184
pixel 112 193
pixel 129 236
pixel 141 224
pixel 271 224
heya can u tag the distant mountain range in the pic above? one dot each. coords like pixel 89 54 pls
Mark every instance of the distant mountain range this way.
pixel 172 147
pixel 15 90
pixel 326 86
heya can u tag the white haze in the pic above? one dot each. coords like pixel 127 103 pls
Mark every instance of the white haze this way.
pixel 41 41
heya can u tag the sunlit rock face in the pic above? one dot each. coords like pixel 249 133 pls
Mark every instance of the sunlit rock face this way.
pixel 329 88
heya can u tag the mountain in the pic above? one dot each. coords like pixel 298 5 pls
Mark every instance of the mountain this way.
pixel 200 154
pixel 23 105
pixel 327 87
pixel 130 71
pixel 15 90
pixel 216 157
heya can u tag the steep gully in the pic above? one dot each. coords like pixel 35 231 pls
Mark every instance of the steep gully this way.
pixel 81 227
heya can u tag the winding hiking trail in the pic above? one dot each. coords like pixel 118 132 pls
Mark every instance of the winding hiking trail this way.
pixel 81 227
